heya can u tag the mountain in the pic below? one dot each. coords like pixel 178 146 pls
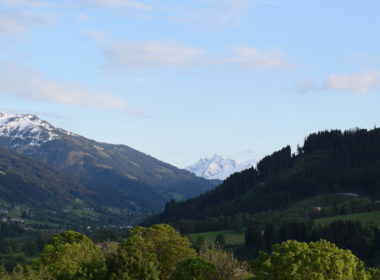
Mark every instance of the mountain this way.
pixel 114 175
pixel 328 163
pixel 29 182
pixel 43 198
pixel 218 167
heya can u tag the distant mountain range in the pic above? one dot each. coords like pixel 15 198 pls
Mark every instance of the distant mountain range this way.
pixel 218 167
pixel 101 174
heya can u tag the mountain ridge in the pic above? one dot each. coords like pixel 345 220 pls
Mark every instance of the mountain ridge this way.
pixel 117 175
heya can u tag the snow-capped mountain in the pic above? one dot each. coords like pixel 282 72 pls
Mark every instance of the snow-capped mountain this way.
pixel 218 167
pixel 27 129
pixel 113 175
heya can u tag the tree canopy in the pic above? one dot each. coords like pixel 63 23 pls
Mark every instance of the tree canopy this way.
pixel 321 260
pixel 155 250
pixel 71 255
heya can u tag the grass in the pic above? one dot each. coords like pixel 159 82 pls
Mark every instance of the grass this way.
pixel 367 218
pixel 326 200
pixel 233 238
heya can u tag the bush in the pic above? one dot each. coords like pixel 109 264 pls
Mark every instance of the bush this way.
pixel 194 268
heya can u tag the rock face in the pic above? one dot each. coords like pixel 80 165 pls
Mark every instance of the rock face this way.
pixel 115 175
pixel 218 167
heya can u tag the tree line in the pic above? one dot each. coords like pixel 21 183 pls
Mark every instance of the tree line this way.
pixel 161 253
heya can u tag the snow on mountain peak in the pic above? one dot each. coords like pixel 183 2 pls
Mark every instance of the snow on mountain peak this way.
pixel 218 167
pixel 26 127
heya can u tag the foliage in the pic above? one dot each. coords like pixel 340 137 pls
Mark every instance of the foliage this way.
pixel 319 260
pixel 220 239
pixel 157 248
pixel 364 242
pixel 133 264
pixel 226 265
pixel 194 268
pixel 72 255
pixel 26 273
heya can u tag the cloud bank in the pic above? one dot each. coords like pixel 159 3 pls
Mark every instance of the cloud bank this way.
pixel 19 81
pixel 11 23
pixel 151 54
pixel 360 83
pixel 169 54
pixel 138 5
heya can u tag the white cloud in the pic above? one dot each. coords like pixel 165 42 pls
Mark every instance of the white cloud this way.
pixel 19 81
pixel 235 9
pixel 360 83
pixel 254 59
pixel 96 35
pixel 171 54
pixel 82 17
pixel 210 11
pixel 29 3
pixel 11 23
pixel 151 54
pixel 138 5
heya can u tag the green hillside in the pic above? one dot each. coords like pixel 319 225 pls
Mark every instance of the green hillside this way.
pixel 328 164
pixel 367 218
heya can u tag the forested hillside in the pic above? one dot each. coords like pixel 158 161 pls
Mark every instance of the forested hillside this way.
pixel 29 182
pixel 329 162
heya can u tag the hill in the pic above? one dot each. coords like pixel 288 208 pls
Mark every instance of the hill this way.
pixel 329 162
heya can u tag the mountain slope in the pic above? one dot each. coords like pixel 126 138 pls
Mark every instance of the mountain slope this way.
pixel 218 167
pixel 27 181
pixel 116 175
pixel 329 162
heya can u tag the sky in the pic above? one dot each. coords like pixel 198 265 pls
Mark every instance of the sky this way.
pixel 183 80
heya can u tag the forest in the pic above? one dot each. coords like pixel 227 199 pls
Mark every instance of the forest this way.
pixel 161 253
pixel 329 162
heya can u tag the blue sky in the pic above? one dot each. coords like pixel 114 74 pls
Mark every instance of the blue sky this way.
pixel 181 80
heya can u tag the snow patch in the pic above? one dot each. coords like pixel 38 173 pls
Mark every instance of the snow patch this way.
pixel 27 127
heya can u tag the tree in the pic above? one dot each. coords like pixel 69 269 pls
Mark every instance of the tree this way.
pixel 71 255
pixel 199 242
pixel 220 239
pixel 133 264
pixel 226 265
pixel 156 249
pixel 254 239
pixel 26 273
pixel 194 268
pixel 321 260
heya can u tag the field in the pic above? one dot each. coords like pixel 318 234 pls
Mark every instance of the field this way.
pixel 233 238
pixel 367 218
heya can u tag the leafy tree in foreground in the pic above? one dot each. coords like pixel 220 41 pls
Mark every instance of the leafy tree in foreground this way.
pixel 72 256
pixel 226 265
pixel 154 251
pixel 321 260
pixel 133 264
pixel 194 268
